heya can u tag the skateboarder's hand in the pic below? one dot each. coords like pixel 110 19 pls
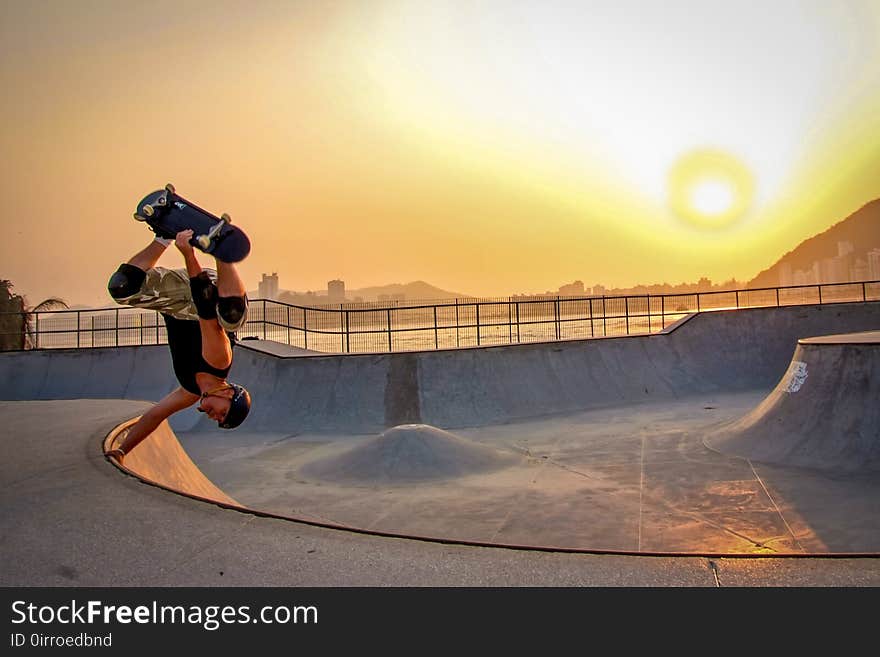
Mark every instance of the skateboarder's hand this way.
pixel 182 241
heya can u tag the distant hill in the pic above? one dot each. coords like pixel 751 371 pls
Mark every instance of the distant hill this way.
pixel 409 291
pixel 861 229
pixel 415 291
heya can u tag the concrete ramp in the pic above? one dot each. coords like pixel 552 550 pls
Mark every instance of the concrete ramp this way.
pixel 160 460
pixel 297 391
pixel 824 413
pixel 713 352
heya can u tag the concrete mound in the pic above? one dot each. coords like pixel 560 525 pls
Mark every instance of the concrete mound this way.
pixel 408 453
pixel 824 413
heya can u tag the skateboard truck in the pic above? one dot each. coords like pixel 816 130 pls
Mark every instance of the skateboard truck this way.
pixel 205 240
pixel 162 201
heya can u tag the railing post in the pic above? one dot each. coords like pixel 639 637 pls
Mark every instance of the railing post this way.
pixel 626 312
pixel 305 330
pixel 663 312
pixel 477 305
pixel 509 321
pixel 556 316
pixel 737 299
pixel 37 328
pixel 777 297
pixel 264 319
pixel 457 325
pixel 388 312
pixel 518 336
pixel 592 331
pixel 604 317
pixel 820 293
pixel 436 331
pixel 288 325
pixel 347 333
pixel 864 293
pixel 649 313
pixel 117 327
pixel 698 302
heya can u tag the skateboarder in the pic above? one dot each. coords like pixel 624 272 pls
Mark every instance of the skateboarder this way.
pixel 201 308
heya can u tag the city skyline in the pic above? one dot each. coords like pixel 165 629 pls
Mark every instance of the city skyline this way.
pixel 493 149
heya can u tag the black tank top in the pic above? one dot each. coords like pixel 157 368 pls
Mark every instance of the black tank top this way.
pixel 185 343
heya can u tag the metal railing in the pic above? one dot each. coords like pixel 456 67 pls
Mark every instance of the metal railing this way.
pixel 401 326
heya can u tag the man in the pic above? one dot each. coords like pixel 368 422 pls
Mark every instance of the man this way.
pixel 200 308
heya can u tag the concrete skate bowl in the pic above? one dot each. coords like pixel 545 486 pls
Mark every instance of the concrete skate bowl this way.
pixel 587 446
pixel 824 414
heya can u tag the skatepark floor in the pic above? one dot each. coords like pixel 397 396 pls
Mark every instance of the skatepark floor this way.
pixel 633 479
pixel 72 519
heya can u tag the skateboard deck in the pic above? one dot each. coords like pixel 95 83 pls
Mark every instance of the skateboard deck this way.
pixel 167 213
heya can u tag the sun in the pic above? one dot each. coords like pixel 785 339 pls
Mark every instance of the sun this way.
pixel 710 189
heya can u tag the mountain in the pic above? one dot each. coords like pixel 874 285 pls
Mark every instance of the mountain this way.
pixel 409 291
pixel 415 291
pixel 818 254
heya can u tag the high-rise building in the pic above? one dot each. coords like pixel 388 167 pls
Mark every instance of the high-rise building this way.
pixel 874 265
pixel 786 275
pixel 844 249
pixel 268 288
pixel 336 291
pixel 859 271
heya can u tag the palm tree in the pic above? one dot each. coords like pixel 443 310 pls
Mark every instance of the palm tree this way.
pixel 18 320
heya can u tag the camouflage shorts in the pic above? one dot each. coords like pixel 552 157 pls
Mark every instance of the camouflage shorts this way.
pixel 168 291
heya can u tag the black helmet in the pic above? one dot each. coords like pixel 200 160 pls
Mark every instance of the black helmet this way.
pixel 239 407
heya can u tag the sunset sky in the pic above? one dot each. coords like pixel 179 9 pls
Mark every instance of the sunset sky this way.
pixel 490 148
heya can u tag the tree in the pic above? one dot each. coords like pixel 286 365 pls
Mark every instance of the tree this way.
pixel 17 319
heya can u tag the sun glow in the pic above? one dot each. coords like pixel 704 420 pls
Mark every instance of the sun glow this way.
pixel 712 197
pixel 710 188
pixel 600 94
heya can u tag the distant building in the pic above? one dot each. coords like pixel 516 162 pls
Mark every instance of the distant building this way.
pixel 336 291
pixel 844 249
pixel 575 289
pixel 805 277
pixel 786 275
pixel 268 288
pixel 859 271
pixel 874 265
pixel 599 290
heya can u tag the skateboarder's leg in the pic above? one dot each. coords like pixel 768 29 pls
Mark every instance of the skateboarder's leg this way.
pixel 232 297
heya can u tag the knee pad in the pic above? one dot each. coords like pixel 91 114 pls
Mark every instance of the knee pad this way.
pixel 231 312
pixel 126 281
pixel 204 295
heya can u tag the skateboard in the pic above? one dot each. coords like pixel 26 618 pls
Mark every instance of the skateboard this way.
pixel 168 213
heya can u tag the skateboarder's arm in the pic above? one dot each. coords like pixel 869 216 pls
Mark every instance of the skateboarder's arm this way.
pixel 193 267
pixel 149 421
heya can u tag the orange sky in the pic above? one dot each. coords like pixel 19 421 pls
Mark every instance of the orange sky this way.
pixel 488 148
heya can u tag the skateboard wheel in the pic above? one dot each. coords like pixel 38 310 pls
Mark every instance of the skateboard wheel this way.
pixel 203 241
pixel 225 217
pixel 169 187
pixel 148 210
pixel 139 217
